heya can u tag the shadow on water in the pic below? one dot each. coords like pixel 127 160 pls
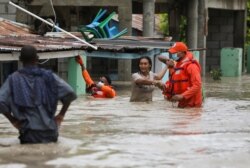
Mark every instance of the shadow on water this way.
pixel 115 133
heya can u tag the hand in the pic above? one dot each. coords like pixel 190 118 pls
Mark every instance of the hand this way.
pixel 163 59
pixel 94 90
pixel 17 124
pixel 79 60
pixel 99 84
pixel 90 88
pixel 177 97
pixel 170 63
pixel 158 83
pixel 59 119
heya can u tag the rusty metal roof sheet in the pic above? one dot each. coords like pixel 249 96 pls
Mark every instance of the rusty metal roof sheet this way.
pixel 8 27
pixel 14 35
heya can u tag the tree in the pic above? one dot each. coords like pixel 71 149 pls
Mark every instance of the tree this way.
pixel 164 26
pixel 248 23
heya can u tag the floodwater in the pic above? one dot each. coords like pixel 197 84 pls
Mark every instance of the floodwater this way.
pixel 115 133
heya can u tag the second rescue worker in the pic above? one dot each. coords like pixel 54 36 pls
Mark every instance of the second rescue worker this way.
pixel 184 84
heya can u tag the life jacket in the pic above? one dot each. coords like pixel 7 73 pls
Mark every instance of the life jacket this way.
pixel 179 80
pixel 99 94
pixel 104 92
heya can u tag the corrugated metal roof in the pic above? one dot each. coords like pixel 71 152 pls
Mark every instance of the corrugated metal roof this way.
pixel 8 27
pixel 41 43
pixel 14 35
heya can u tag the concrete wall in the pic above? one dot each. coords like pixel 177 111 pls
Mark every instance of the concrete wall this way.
pixel 226 4
pixel 7 11
pixel 62 67
pixel 225 17
pixel 220 34
pixel 79 11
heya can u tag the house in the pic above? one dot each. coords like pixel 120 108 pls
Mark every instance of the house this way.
pixel 57 50
pixel 211 24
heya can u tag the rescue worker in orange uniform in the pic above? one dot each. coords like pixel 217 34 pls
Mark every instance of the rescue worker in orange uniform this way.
pixel 102 89
pixel 184 84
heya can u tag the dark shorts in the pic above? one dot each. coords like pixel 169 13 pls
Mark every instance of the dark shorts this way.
pixel 36 136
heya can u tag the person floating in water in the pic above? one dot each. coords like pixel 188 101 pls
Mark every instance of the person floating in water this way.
pixel 184 84
pixel 144 81
pixel 102 89
pixel 29 97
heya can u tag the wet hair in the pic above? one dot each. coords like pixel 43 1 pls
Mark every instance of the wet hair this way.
pixel 147 58
pixel 108 79
pixel 28 54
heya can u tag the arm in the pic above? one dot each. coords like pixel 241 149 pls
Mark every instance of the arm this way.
pixel 139 80
pixel 160 74
pixel 144 81
pixel 87 78
pixel 16 123
pixel 85 73
pixel 5 97
pixel 59 117
pixel 169 64
pixel 161 85
pixel 66 95
pixel 66 101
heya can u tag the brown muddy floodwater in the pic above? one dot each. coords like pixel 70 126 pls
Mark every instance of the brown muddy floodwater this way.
pixel 118 134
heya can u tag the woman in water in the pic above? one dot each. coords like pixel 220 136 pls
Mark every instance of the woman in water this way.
pixel 144 81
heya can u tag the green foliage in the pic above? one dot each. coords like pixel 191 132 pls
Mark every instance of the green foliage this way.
pixel 183 29
pixel 248 23
pixel 216 74
pixel 164 26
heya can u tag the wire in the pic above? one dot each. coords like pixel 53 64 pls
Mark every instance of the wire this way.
pixel 52 6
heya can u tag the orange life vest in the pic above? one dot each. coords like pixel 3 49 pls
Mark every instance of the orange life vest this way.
pixel 179 79
pixel 99 94
pixel 104 92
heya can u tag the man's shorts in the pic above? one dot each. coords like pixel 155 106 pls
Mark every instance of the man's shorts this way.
pixel 37 136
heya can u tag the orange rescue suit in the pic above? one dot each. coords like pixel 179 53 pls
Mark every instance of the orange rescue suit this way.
pixel 185 79
pixel 106 91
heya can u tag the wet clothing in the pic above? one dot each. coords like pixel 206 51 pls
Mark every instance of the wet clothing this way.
pixel 102 92
pixel 142 93
pixel 44 92
pixel 31 98
pixel 28 136
pixel 87 78
pixel 185 79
